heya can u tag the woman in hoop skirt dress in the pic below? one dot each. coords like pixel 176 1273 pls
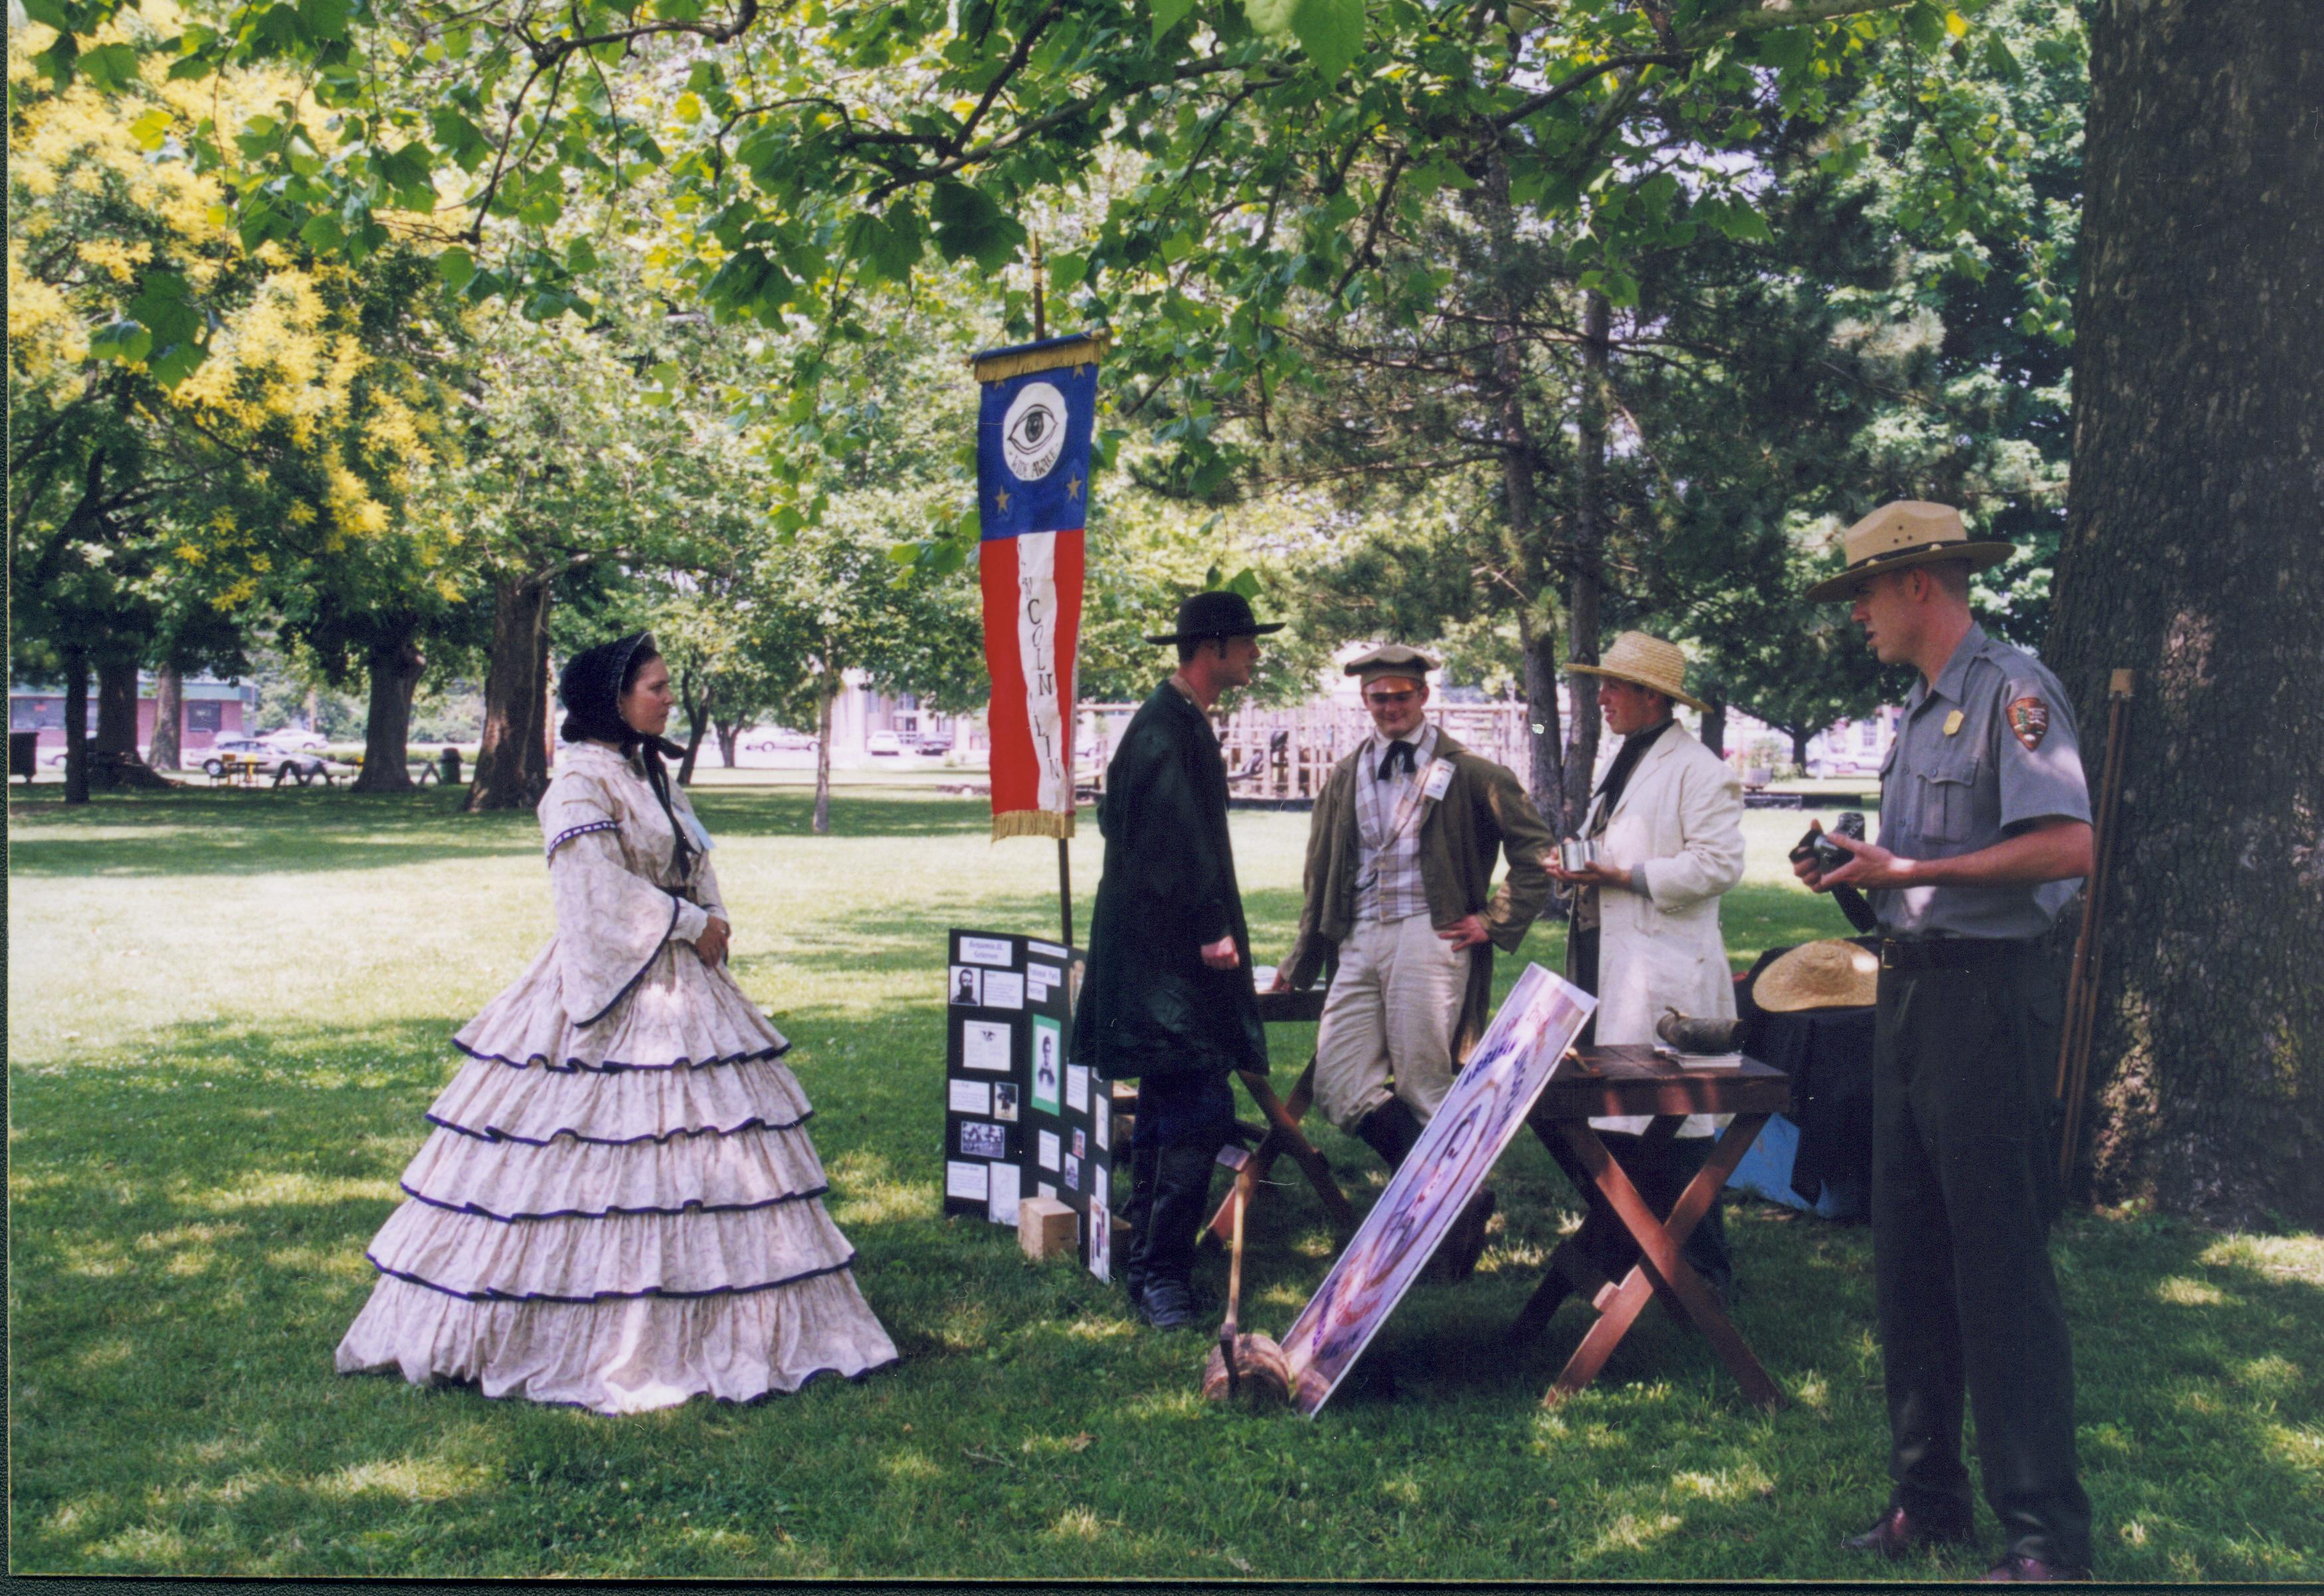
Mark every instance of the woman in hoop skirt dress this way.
pixel 619 1207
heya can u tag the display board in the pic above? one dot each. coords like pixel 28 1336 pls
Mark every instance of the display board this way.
pixel 1480 1116
pixel 1020 1120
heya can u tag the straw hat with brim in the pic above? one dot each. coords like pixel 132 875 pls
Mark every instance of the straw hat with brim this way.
pixel 1219 613
pixel 1646 662
pixel 1908 532
pixel 1831 974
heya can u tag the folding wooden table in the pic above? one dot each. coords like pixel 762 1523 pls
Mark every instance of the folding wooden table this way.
pixel 1635 1080
pixel 1281 1133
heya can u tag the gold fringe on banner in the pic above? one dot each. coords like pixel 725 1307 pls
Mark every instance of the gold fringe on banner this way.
pixel 1086 350
pixel 1032 823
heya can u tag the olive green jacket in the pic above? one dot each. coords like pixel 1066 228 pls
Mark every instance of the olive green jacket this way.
pixel 1483 812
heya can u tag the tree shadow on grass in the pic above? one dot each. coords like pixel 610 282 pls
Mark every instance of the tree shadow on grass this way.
pixel 232 831
pixel 189 1213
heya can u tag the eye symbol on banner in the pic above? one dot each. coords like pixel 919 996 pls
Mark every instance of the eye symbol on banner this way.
pixel 1033 432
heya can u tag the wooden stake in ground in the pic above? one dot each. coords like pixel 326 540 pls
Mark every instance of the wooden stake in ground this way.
pixel 2082 980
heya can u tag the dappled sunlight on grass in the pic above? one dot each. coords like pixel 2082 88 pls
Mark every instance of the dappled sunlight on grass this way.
pixel 201 1145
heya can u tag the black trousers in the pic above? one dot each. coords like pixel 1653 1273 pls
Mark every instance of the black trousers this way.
pixel 1962 1194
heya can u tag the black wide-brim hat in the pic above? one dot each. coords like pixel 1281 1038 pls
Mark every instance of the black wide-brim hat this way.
pixel 1220 613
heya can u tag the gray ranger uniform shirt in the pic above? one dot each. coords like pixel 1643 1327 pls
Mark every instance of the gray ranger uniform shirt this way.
pixel 1987 750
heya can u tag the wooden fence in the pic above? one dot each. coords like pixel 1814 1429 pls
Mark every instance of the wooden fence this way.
pixel 1284 754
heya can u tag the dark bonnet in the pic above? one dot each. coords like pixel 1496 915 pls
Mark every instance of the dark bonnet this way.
pixel 590 685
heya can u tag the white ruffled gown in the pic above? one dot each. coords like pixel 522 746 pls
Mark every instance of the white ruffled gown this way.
pixel 619 1207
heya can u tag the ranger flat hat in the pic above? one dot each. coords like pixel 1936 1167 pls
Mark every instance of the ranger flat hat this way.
pixel 1219 613
pixel 1647 662
pixel 1828 974
pixel 1908 532
pixel 1391 659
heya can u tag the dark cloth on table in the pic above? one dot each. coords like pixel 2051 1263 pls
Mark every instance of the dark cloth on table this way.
pixel 1149 1005
pixel 1828 1054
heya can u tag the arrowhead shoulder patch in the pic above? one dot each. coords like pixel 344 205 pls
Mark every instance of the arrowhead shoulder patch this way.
pixel 2029 718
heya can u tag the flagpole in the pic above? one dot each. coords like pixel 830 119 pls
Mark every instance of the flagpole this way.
pixel 1072 708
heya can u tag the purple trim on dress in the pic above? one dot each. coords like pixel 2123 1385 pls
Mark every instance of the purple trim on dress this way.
pixel 570 832
pixel 846 1263
pixel 612 1068
pixel 683 1208
pixel 630 984
pixel 439 1380
pixel 753 1124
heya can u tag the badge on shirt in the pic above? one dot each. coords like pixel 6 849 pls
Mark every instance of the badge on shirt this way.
pixel 1953 723
pixel 2029 717
pixel 1439 778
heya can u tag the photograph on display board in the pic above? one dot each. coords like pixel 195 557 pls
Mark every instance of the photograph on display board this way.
pixel 984 1046
pixel 1048 1061
pixel 1004 1101
pixel 982 1138
pixel 1485 1109
pixel 967 986
pixel 1071 1180
pixel 1099 1245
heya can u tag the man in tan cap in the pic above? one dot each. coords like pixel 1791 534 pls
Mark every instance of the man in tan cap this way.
pixel 1399 884
pixel 1984 824
pixel 1667 820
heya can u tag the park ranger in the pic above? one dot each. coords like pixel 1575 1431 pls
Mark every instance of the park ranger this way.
pixel 1984 827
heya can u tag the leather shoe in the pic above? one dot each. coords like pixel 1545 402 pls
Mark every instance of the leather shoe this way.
pixel 1898 1533
pixel 2015 1567
pixel 1166 1304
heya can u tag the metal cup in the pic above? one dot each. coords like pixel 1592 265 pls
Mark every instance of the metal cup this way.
pixel 1576 854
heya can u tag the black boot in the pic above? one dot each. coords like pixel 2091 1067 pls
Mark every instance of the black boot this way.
pixel 1391 1130
pixel 1465 1244
pixel 1173 1226
pixel 1136 1208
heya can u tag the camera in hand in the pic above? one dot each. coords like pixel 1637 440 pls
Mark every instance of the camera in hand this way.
pixel 1829 856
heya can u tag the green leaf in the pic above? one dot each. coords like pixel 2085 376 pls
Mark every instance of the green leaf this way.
pixel 174 364
pixel 1331 32
pixel 49 14
pixel 110 67
pixel 125 341
pixel 325 19
pixel 1168 15
pixel 323 234
pixel 456 266
pixel 151 129
pixel 581 256
pixel 2000 60
pixel 970 226
pixel 165 303
pixel 56 62
pixel 1066 272
pixel 1270 18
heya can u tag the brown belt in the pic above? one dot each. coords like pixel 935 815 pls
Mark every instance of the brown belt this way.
pixel 1953 953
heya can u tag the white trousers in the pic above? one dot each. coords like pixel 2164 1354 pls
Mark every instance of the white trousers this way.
pixel 1389 1019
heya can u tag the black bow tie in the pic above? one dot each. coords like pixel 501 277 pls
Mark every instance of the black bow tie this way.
pixel 1396 751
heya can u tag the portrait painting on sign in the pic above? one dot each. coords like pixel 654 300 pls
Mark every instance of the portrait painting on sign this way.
pixel 1483 1112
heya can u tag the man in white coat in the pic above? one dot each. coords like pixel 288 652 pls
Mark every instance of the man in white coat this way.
pixel 1668 822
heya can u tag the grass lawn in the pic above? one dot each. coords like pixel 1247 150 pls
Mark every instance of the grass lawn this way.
pixel 227 1010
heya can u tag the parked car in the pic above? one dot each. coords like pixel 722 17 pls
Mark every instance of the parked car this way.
pixel 934 742
pixel 291 740
pixel 284 766
pixel 775 740
pixel 886 742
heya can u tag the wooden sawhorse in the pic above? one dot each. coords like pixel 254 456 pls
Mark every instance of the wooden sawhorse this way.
pixel 1635 1080
pixel 1281 1133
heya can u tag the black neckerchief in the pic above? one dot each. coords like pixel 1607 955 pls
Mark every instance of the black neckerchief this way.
pixel 1618 775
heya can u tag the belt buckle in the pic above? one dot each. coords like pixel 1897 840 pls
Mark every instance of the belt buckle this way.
pixel 1889 959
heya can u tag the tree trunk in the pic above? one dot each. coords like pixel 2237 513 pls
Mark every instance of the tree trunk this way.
pixel 697 723
pixel 512 763
pixel 826 689
pixel 117 710
pixel 396 668
pixel 1800 740
pixel 2190 556
pixel 169 715
pixel 729 734
pixel 1588 546
pixel 1714 727
pixel 114 764
pixel 1545 775
pixel 75 726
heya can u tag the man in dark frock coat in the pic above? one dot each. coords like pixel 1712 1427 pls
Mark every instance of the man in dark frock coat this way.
pixel 1167 999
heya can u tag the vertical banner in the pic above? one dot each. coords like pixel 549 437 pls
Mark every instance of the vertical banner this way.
pixel 1034 424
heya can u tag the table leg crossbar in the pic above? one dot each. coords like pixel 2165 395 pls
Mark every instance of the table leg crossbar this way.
pixel 1283 1136
pixel 1660 1270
